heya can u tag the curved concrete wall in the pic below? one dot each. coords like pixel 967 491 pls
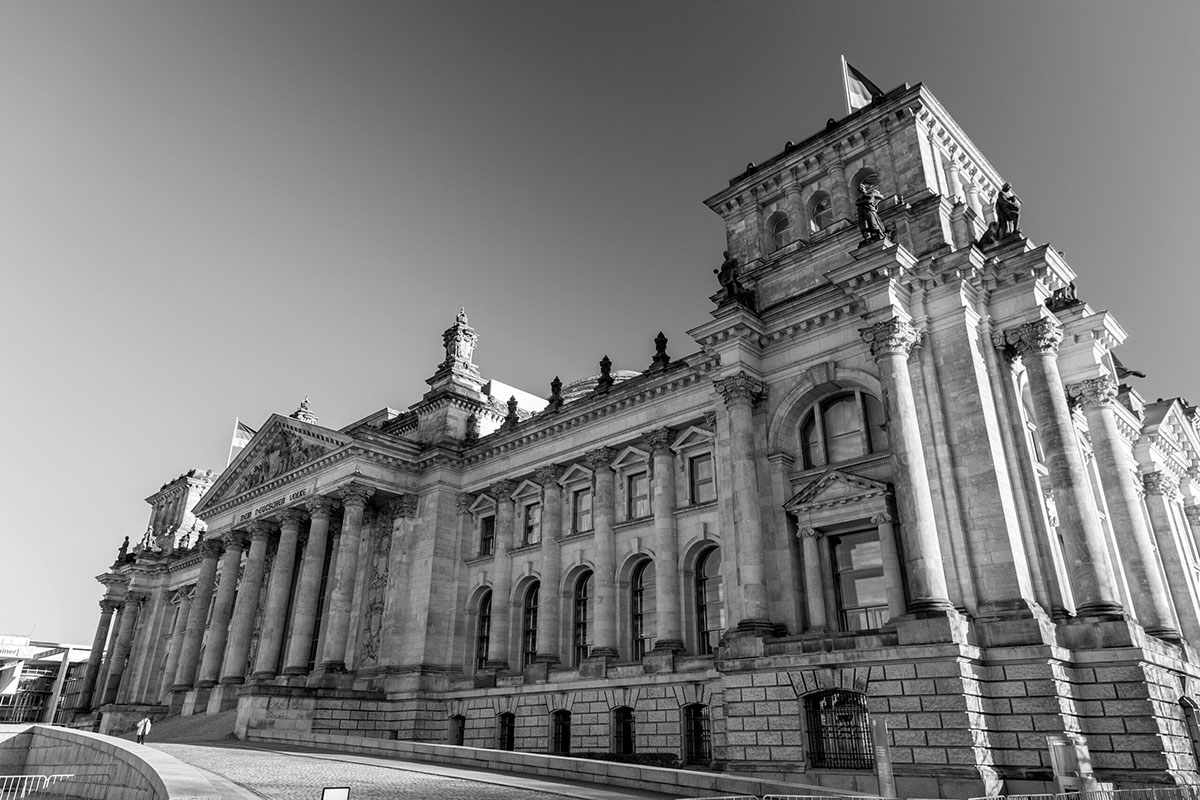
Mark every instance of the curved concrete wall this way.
pixel 104 768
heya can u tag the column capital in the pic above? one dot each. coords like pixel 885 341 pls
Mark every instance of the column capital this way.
pixel 659 440
pixel 1193 515
pixel 291 516
pixel 893 336
pixel 1161 483
pixel 321 506
pixel 549 475
pixel 1094 392
pixel 501 491
pixel 600 457
pixel 261 529
pixel 740 387
pixel 237 540
pixel 109 605
pixel 355 494
pixel 403 506
pixel 211 547
pixel 883 518
pixel 137 598
pixel 1038 337
pixel 808 533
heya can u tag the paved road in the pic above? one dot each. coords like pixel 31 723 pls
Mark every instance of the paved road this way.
pixel 295 774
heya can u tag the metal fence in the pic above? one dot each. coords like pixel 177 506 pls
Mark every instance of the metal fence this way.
pixel 1164 793
pixel 14 787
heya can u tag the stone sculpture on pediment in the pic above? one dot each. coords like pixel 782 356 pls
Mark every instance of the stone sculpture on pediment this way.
pixel 285 451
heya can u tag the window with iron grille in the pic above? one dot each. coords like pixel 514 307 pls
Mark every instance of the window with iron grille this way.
pixel 623 744
pixel 483 628
pixel 529 626
pixel 581 511
pixel 560 732
pixel 582 639
pixel 642 607
pixel 710 602
pixel 487 536
pixel 696 732
pixel 839 730
pixel 506 728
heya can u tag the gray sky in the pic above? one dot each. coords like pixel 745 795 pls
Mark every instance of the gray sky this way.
pixel 210 209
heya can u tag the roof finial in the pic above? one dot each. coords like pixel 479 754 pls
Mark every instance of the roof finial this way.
pixel 304 413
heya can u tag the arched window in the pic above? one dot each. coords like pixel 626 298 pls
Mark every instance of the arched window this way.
pixel 483 629
pixel 458 730
pixel 710 601
pixel 820 211
pixel 506 729
pixel 560 732
pixel 843 427
pixel 581 642
pixel 867 175
pixel 696 734
pixel 777 226
pixel 642 607
pixel 529 626
pixel 623 734
pixel 839 730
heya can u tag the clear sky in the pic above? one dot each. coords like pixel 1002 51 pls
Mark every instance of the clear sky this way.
pixel 211 209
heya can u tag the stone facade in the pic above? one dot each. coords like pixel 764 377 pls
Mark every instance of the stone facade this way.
pixel 903 480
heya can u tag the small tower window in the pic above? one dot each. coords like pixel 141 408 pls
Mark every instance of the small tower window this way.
pixel 778 227
pixel 820 211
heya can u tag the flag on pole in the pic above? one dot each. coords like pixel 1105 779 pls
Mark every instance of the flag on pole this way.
pixel 242 434
pixel 859 89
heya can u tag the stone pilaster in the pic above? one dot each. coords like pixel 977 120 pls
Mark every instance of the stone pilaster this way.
pixel 891 341
pixel 175 647
pixel 550 605
pixel 333 654
pixel 814 580
pixel 218 627
pixel 246 609
pixel 266 662
pixel 502 582
pixel 1162 493
pixel 120 655
pixel 839 195
pixel 1086 554
pixel 893 575
pixel 668 614
pixel 185 673
pixel 1147 587
pixel 604 601
pixel 308 592
pixel 107 607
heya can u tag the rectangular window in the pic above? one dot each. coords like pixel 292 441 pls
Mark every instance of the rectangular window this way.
pixel 858 581
pixel 487 536
pixel 701 481
pixel 560 733
pixel 581 510
pixel 532 524
pixel 637 494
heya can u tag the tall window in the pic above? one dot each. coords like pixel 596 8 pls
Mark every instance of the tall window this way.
pixel 560 732
pixel 702 487
pixel 779 230
pixel 506 729
pixel 637 495
pixel 529 626
pixel 582 639
pixel 696 734
pixel 839 730
pixel 483 630
pixel 710 601
pixel 581 510
pixel 487 535
pixel 531 523
pixel 841 428
pixel 820 211
pixel 642 606
pixel 858 580
pixel 458 729
pixel 623 739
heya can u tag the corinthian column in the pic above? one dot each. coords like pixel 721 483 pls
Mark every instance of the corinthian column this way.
pixel 308 593
pixel 551 598
pixel 178 631
pixel 741 392
pixel 279 592
pixel 669 634
pixel 502 583
pixel 1162 492
pixel 604 604
pixel 1148 590
pixel 120 655
pixel 245 610
pixel 891 341
pixel 107 607
pixel 218 627
pixel 1086 554
pixel 185 673
pixel 333 656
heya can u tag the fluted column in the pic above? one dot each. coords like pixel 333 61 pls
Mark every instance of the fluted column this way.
pixel 550 604
pixel 245 611
pixel 279 592
pixel 1147 588
pixel 502 583
pixel 218 627
pixel 185 673
pixel 891 341
pixel 741 392
pixel 308 593
pixel 668 615
pixel 120 655
pixel 1162 492
pixel 178 633
pixel 604 602
pixel 814 585
pixel 1084 548
pixel 354 499
pixel 107 607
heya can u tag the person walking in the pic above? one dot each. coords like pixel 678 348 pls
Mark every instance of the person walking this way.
pixel 143 730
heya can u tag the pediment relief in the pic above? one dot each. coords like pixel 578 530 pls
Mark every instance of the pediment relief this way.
pixel 834 487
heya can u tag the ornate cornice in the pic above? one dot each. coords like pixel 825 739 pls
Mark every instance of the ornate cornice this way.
pixel 1032 338
pixel 355 494
pixel 600 457
pixel 1094 392
pixel 740 388
pixel 1161 483
pixel 893 336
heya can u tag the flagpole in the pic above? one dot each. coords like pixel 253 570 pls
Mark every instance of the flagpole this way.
pixel 233 440
pixel 846 86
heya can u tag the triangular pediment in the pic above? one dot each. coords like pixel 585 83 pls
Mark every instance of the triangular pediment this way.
pixel 576 473
pixel 692 437
pixel 834 487
pixel 282 446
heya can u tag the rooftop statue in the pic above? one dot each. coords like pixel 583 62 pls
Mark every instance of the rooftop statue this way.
pixel 735 292
pixel 869 222
pixel 1008 213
